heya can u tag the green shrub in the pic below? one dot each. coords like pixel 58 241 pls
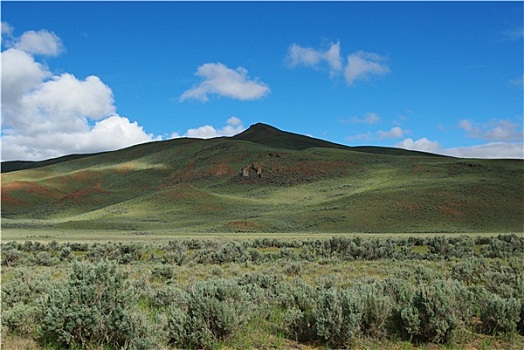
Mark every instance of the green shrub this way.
pixel 298 300
pixel 520 324
pixel 65 253
pixel 436 311
pixel 378 308
pixel 25 287
pixel 500 315
pixel 163 272
pixel 169 295
pixel 338 316
pixel 45 259
pixel 215 310
pixel 22 319
pixel 470 270
pixel 10 256
pixel 94 307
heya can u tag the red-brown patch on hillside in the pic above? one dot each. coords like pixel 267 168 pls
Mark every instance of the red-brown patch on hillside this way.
pixel 9 201
pixel 25 186
pixel 452 211
pixel 85 192
pixel 14 189
pixel 220 169
pixel 83 175
pixel 243 225
pixel 184 174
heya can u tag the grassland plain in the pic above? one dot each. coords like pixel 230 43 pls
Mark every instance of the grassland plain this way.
pixel 266 293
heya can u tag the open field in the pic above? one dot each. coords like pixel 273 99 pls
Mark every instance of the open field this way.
pixel 265 292
pixel 46 235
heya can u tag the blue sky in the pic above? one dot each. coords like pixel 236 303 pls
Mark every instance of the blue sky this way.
pixel 443 77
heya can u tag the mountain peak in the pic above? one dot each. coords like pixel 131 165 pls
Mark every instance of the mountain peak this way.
pixel 259 128
pixel 270 136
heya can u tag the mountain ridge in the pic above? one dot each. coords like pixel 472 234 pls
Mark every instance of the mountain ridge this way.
pixel 264 180
pixel 260 133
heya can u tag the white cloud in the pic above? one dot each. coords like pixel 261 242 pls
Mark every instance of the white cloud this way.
pixel 488 151
pixel 360 65
pixel 393 133
pixel 111 133
pixel 363 65
pixel 39 43
pixel 7 29
pixel 21 74
pixel 224 81
pixel 369 118
pixel 234 121
pixel 234 126
pixel 422 144
pixel 306 56
pixel 46 116
pixel 360 137
pixel 495 130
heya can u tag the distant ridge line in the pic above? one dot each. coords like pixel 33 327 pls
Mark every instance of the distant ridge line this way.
pixel 259 133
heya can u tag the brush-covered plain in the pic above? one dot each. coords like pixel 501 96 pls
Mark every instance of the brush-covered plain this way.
pixel 424 292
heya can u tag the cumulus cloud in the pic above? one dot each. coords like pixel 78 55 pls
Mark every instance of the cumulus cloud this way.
pixel 360 137
pixel 369 118
pixel 363 65
pixel 360 65
pixel 42 42
pixel 422 144
pixel 495 130
pixel 224 81
pixel 7 29
pixel 45 115
pixel 309 57
pixel 110 133
pixel 489 150
pixel 233 126
pixel 492 150
pixel 393 133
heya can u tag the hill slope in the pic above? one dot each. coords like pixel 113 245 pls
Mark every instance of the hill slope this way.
pixel 265 180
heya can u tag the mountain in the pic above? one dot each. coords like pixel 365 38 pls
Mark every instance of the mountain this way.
pixel 263 180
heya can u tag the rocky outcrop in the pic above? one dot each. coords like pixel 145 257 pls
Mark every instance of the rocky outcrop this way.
pixel 253 169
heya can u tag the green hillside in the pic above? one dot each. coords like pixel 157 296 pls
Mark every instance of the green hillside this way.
pixel 264 180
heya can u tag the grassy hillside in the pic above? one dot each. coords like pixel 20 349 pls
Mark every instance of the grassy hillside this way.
pixel 293 183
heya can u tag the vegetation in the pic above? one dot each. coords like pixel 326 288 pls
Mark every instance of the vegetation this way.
pixel 340 292
pixel 293 183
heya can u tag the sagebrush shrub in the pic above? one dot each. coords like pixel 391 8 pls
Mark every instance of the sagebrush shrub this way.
pixel 21 318
pixel 500 315
pixel 298 300
pixel 25 287
pixel 94 307
pixel 436 311
pixel 215 310
pixel 163 272
pixel 337 316
pixel 377 308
